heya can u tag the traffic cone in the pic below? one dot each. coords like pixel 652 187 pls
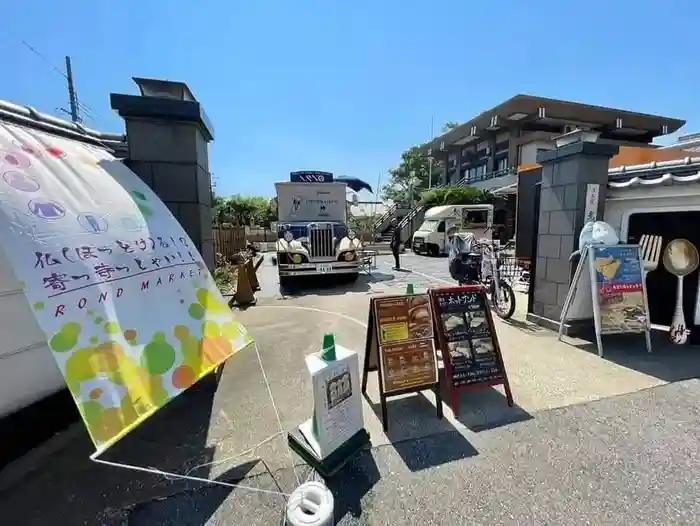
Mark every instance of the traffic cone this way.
pixel 328 351
pixel 409 289
pixel 244 293
pixel 252 277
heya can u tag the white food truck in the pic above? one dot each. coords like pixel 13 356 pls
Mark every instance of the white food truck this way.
pixel 313 236
pixel 430 237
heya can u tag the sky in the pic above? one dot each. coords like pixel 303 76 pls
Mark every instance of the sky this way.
pixel 346 87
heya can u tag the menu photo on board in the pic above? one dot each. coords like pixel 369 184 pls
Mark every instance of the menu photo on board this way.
pixel 407 352
pixel 619 282
pixel 467 336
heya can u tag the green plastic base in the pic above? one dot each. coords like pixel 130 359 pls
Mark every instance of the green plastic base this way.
pixel 330 465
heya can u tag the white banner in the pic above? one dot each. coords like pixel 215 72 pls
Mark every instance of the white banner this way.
pixel 129 309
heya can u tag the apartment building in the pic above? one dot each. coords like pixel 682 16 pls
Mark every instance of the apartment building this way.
pixel 487 150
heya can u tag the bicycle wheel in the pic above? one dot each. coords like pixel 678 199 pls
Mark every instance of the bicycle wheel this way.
pixel 504 305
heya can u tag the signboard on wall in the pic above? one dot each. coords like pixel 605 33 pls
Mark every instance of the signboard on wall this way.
pixel 592 201
pixel 128 307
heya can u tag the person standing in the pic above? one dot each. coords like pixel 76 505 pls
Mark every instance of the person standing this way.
pixel 395 243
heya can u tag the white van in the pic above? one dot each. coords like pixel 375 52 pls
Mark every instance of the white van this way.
pixel 431 236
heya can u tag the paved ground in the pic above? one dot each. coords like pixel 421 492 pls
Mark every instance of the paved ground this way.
pixel 591 441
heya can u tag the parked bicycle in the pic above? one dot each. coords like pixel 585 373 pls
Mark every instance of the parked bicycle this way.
pixel 482 266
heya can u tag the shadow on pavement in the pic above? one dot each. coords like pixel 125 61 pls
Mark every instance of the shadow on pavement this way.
pixel 333 285
pixel 668 362
pixel 408 418
pixel 352 483
pixel 190 507
pixel 525 326
pixel 487 409
pixel 65 487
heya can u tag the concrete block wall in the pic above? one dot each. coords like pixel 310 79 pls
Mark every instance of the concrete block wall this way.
pixel 173 159
pixel 566 173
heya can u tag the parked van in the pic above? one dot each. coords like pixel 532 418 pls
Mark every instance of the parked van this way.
pixel 430 238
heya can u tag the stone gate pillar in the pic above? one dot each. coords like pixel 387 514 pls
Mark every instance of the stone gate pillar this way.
pixel 168 134
pixel 577 162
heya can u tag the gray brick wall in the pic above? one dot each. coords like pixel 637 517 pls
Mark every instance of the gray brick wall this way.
pixel 565 174
pixel 173 159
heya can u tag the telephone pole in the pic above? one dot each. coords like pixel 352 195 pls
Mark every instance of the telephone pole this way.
pixel 72 97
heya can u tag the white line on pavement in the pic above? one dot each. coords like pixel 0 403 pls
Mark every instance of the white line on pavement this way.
pixel 424 275
pixel 341 315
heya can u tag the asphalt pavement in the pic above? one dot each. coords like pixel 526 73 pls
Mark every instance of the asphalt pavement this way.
pixel 591 441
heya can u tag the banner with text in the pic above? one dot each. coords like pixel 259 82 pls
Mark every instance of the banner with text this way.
pixel 129 309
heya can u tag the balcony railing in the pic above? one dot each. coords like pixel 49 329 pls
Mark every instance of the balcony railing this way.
pixel 484 177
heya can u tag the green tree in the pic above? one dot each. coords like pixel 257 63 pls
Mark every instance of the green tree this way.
pixel 451 125
pixel 244 210
pixel 459 195
pixel 410 177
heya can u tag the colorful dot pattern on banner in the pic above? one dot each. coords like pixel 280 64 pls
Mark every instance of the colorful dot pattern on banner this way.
pixel 131 313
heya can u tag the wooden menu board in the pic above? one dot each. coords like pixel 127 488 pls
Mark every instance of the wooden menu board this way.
pixel 400 347
pixel 467 339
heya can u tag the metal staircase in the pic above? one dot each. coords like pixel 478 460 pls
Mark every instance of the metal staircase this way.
pixel 383 221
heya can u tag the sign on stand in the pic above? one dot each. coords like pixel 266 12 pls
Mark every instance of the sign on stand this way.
pixel 467 339
pixel 618 291
pixel 401 349
pixel 336 430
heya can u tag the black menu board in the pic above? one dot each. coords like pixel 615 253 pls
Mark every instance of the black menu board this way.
pixel 467 338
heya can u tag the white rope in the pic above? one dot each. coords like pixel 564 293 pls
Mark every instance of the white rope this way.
pixel 187 476
pixel 169 475
pixel 274 407
pixel 234 457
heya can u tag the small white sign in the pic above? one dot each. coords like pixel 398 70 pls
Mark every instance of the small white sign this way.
pixel 337 401
pixel 592 199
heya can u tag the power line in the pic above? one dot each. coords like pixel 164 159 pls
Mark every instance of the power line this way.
pixel 42 57
pixel 76 109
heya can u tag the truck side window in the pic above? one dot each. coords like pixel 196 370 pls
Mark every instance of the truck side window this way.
pixel 441 226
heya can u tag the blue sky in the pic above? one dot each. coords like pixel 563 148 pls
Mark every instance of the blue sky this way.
pixel 347 86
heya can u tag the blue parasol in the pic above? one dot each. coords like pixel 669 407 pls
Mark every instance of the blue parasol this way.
pixel 353 183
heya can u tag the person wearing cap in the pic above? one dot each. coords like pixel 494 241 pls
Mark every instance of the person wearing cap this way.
pixel 395 243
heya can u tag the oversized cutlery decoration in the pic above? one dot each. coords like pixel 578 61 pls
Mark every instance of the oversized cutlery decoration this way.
pixel 680 259
pixel 650 249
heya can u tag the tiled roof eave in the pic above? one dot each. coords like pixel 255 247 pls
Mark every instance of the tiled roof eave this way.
pixel 28 116
pixel 666 179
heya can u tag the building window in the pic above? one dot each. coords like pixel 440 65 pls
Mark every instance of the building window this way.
pixel 502 164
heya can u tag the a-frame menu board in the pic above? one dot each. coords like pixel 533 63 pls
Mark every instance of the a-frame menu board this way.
pixel 467 339
pixel 401 348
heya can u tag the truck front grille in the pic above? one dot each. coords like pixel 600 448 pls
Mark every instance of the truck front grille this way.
pixel 321 241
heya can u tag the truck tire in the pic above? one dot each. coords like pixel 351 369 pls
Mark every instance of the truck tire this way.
pixel 286 282
pixel 433 250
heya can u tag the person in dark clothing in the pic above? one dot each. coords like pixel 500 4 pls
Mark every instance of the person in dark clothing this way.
pixel 395 243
